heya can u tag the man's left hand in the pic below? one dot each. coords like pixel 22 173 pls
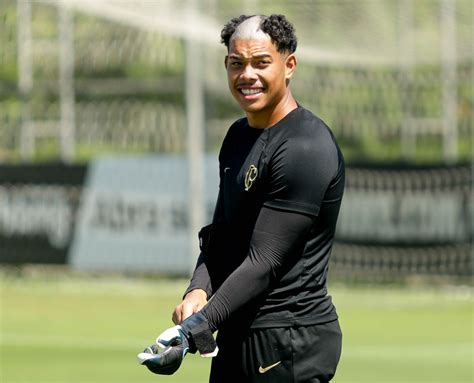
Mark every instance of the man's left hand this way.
pixel 166 356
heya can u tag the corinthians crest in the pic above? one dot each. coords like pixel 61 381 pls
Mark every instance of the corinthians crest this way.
pixel 250 176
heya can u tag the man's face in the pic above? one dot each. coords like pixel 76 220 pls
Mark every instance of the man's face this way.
pixel 257 73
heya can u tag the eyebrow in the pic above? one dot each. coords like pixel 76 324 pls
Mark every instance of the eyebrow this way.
pixel 258 56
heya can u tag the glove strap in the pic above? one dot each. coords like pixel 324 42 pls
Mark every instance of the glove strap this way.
pixel 197 327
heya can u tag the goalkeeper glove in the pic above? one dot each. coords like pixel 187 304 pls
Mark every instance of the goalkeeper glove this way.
pixel 172 345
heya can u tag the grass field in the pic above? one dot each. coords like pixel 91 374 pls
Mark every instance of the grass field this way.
pixel 57 328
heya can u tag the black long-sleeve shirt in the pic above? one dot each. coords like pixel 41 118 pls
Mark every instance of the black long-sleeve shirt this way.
pixel 274 224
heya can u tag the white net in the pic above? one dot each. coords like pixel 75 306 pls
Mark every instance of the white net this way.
pixel 392 78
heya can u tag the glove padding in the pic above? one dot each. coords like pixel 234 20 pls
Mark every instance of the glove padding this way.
pixel 164 361
pixel 166 356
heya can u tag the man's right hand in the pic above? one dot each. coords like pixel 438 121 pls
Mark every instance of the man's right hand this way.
pixel 194 301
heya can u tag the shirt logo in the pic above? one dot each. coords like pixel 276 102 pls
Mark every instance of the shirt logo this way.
pixel 250 176
pixel 263 370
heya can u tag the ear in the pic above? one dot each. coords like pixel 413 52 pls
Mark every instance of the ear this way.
pixel 290 65
pixel 226 60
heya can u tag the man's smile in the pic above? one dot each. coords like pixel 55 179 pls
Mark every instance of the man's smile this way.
pixel 250 93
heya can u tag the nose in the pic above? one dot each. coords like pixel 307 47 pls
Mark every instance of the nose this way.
pixel 248 73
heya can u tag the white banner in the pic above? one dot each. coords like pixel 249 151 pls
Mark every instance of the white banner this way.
pixel 403 216
pixel 134 214
pixel 37 211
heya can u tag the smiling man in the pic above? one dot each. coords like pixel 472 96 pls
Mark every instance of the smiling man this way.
pixel 258 73
pixel 262 273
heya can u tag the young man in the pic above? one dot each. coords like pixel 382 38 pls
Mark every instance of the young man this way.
pixel 264 259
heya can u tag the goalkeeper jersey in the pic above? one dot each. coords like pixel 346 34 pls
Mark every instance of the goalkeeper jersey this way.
pixel 266 255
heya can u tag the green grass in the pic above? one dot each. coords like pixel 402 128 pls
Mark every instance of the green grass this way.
pixel 70 328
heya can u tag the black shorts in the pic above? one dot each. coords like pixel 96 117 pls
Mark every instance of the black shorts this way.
pixel 308 354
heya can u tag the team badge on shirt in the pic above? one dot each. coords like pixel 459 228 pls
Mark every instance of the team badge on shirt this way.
pixel 250 176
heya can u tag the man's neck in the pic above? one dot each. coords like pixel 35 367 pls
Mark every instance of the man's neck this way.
pixel 267 118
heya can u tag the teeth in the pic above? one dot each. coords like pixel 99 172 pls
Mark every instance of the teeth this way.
pixel 250 91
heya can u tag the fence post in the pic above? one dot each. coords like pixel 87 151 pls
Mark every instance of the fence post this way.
pixel 449 80
pixel 66 82
pixel 407 61
pixel 195 131
pixel 25 78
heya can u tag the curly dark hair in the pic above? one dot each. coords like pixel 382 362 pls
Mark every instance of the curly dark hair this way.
pixel 280 30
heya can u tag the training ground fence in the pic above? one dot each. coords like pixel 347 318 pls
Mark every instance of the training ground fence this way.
pixel 402 222
pixel 396 223
pixel 112 113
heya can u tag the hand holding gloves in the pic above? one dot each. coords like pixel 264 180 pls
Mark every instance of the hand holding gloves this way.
pixel 172 345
